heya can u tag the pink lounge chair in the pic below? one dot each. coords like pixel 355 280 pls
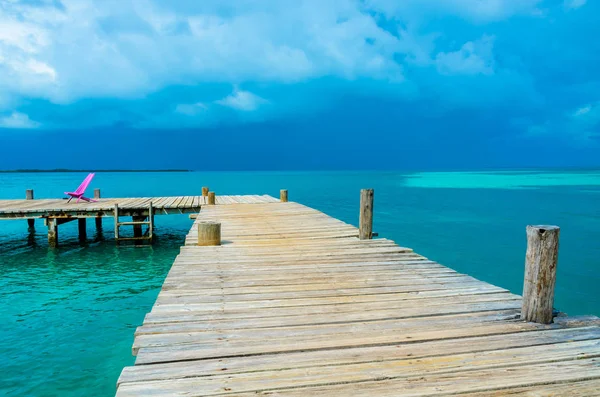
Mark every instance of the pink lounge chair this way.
pixel 78 194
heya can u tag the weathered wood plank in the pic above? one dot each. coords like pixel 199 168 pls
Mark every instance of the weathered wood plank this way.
pixel 293 303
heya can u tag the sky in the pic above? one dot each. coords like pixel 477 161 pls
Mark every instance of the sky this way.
pixel 299 84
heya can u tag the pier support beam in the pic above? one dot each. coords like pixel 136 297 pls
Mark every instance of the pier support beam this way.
pixel 137 229
pixel 82 228
pixel 116 214
pixel 205 191
pixel 30 222
pixel 540 273
pixel 151 222
pixel 97 196
pixel 52 224
pixel 365 222
pixel 211 198
pixel 209 233
pixel 283 195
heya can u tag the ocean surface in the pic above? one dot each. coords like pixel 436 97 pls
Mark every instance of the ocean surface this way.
pixel 67 315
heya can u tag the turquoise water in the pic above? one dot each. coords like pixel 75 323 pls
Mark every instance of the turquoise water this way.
pixel 68 314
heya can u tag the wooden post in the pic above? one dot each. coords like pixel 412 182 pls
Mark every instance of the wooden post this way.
pixel 283 195
pixel 98 223
pixel 81 224
pixel 540 273
pixel 151 221
pixel 365 222
pixel 209 233
pixel 96 193
pixel 211 198
pixel 117 223
pixel 137 228
pixel 205 191
pixel 29 196
pixel 52 232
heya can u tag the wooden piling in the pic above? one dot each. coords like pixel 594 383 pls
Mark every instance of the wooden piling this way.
pixel 116 213
pixel 81 225
pixel 52 224
pixel 211 198
pixel 540 273
pixel 365 223
pixel 205 191
pixel 29 196
pixel 151 221
pixel 209 233
pixel 97 196
pixel 283 195
pixel 137 226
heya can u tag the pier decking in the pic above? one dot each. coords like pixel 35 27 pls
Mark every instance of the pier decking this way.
pixel 294 304
pixel 32 209
pixel 142 210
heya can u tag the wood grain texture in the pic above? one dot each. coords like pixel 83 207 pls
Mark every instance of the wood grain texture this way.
pixel 103 207
pixel 365 223
pixel 540 273
pixel 294 303
pixel 209 233
pixel 211 200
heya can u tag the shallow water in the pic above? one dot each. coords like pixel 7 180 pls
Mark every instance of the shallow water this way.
pixel 68 314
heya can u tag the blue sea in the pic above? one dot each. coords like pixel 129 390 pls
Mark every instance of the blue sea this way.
pixel 68 314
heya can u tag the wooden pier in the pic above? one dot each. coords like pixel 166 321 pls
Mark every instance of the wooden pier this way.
pixel 294 303
pixel 55 212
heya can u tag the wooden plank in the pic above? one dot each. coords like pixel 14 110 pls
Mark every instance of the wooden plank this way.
pixel 323 358
pixel 479 380
pixel 294 303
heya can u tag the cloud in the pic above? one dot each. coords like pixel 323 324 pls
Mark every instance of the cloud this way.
pixel 17 120
pixel 242 100
pixel 191 109
pixel 579 127
pixel 474 57
pixel 473 10
pixel 150 63
pixel 574 4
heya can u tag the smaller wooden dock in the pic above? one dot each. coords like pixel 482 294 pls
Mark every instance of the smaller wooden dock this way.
pixel 294 304
pixel 56 212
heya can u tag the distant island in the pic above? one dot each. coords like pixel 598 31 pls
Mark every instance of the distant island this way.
pixel 69 170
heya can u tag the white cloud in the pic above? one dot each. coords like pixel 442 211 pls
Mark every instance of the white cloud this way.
pixel 574 4
pixel 475 10
pixel 582 111
pixel 18 120
pixel 242 100
pixel 578 127
pixel 132 49
pixel 191 109
pixel 474 57
pixel 128 49
pixel 41 68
